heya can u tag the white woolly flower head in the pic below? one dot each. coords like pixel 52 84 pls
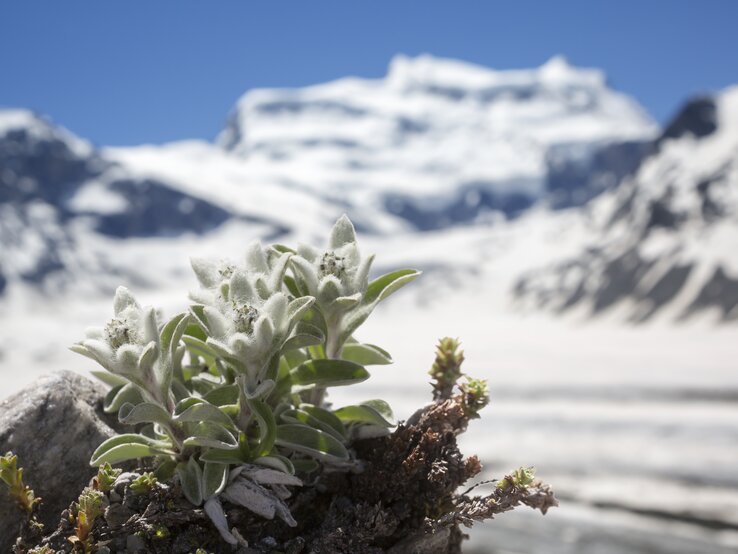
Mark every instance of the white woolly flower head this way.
pixel 127 341
pixel 264 269
pixel 337 276
pixel 246 315
pixel 130 345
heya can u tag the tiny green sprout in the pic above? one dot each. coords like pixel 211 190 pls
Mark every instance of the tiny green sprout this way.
pixel 161 532
pixel 143 484
pixel 446 369
pixel 475 396
pixel 519 478
pixel 106 476
pixel 12 476
pixel 89 508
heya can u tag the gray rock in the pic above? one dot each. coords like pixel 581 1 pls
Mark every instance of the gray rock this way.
pixel 53 426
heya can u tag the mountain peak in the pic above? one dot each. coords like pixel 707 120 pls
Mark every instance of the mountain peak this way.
pixel 34 127
pixel 426 70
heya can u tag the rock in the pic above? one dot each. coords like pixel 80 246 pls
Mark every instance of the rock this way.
pixel 53 426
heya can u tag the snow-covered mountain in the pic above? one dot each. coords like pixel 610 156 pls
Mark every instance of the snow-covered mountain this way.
pixel 485 159
pixel 56 191
pixel 667 237
pixel 438 142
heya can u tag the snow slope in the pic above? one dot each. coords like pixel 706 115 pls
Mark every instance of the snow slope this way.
pixel 665 239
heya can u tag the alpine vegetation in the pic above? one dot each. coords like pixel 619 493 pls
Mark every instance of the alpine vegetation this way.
pixel 230 395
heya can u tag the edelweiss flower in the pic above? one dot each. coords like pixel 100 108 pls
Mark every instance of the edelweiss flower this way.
pixel 337 277
pixel 246 314
pixel 128 345
pixel 265 269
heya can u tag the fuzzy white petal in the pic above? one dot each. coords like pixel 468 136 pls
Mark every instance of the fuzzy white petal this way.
pixel 276 307
pixel 240 288
pixel 342 233
pixel 218 325
pixel 123 299
pixel 308 252
pixel 206 272
pixel 256 259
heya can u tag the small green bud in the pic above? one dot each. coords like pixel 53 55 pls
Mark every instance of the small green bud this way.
pixel 475 396
pixel 520 478
pixel 89 507
pixel 161 532
pixel 106 476
pixel 143 484
pixel 12 476
pixel 446 369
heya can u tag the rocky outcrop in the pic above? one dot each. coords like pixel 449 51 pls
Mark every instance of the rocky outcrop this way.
pixel 53 427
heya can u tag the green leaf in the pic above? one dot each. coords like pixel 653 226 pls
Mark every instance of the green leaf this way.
pixel 201 385
pixel 328 373
pixel 326 417
pixel 315 443
pixel 297 307
pixel 194 330
pixel 304 334
pixel 165 470
pixel 145 412
pixel 128 446
pixel 305 465
pixel 275 461
pixel 293 358
pixel 108 378
pixel 172 332
pixel 198 347
pixel 365 354
pixel 190 475
pixel 179 390
pixel 207 433
pixel 214 479
pixel 291 285
pixel 283 249
pixel 117 396
pixel 222 456
pixel 382 408
pixel 383 286
pixel 203 411
pixel 362 414
pixel 267 426
pixel 198 313
pixel 224 394
pixel 186 403
pixel 300 416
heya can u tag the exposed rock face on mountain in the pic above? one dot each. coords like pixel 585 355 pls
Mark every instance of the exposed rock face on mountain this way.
pixel 439 142
pixel 53 183
pixel 665 238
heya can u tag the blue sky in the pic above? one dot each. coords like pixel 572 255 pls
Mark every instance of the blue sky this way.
pixel 122 73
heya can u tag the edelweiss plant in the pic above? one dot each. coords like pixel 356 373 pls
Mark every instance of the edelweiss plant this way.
pixel 230 395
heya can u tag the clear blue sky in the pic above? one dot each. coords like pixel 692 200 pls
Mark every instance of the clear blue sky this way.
pixel 132 72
